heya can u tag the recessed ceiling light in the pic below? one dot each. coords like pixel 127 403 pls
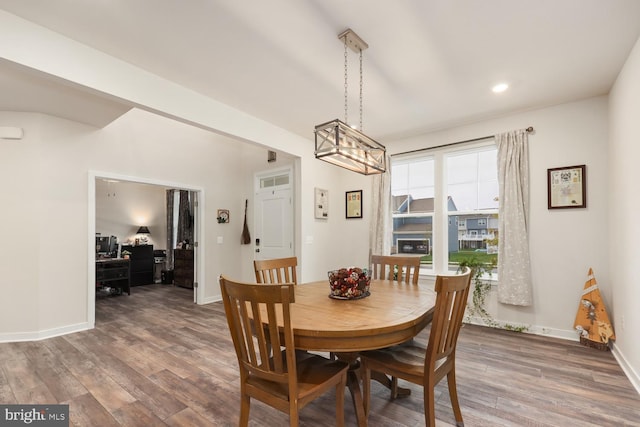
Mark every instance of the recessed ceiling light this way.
pixel 500 87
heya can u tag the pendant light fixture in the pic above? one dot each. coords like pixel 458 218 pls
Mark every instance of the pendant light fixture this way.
pixel 341 144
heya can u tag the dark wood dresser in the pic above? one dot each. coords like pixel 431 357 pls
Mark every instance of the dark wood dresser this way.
pixel 141 264
pixel 183 268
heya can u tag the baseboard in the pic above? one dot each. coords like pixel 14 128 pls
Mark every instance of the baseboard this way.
pixel 567 334
pixel 210 300
pixel 42 335
pixel 633 376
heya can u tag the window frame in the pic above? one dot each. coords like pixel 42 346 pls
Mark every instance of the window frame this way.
pixel 441 215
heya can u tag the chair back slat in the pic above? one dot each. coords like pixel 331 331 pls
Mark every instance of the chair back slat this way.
pixel 402 269
pixel 245 325
pixel 278 363
pixel 452 293
pixel 245 306
pixel 278 270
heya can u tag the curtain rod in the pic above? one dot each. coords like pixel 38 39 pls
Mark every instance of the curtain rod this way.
pixel 528 130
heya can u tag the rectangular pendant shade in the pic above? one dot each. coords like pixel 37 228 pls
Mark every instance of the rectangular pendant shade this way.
pixel 341 145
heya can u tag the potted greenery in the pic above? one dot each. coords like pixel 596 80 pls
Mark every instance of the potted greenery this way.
pixel 481 272
pixel 125 254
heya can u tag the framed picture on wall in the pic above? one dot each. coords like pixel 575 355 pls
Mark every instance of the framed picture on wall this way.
pixel 321 203
pixel 353 204
pixel 566 187
pixel 223 216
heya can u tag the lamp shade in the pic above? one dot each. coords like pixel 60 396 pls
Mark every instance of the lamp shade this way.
pixel 143 230
pixel 346 147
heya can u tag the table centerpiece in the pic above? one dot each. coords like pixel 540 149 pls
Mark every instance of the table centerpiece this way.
pixel 349 283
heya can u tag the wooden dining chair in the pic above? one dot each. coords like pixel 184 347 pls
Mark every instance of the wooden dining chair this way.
pixel 427 366
pixel 277 378
pixel 277 270
pixel 403 269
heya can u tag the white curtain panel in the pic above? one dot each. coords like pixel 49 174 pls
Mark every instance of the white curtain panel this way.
pixel 381 220
pixel 514 266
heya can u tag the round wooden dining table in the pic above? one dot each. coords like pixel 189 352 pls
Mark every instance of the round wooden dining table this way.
pixel 392 314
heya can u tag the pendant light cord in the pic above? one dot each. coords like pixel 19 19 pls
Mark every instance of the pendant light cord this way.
pixel 346 85
pixel 346 75
pixel 361 129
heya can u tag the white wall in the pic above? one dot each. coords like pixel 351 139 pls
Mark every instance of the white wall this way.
pixel 44 216
pixel 50 167
pixel 624 228
pixel 336 241
pixel 320 245
pixel 98 73
pixel 563 243
pixel 122 207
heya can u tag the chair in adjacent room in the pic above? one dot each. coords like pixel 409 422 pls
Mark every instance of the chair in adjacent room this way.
pixel 427 366
pixel 402 269
pixel 278 379
pixel 277 270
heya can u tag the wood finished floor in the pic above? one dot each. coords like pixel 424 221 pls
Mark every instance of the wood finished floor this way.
pixel 156 359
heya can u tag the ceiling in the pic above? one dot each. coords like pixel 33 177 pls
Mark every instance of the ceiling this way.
pixel 430 63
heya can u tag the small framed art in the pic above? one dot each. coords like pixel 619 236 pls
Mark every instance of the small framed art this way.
pixel 223 216
pixel 566 187
pixel 353 204
pixel 321 201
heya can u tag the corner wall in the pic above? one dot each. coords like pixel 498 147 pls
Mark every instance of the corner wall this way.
pixel 624 204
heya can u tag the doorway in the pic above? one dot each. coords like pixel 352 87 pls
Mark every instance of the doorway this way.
pixel 157 185
pixel 274 214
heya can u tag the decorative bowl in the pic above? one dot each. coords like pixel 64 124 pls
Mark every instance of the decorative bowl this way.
pixel 349 283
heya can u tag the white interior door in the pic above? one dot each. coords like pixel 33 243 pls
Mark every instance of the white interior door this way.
pixel 274 216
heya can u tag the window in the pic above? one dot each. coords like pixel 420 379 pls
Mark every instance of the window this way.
pixel 413 195
pixel 274 181
pixel 448 198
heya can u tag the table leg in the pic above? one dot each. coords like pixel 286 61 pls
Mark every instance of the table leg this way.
pixel 353 384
